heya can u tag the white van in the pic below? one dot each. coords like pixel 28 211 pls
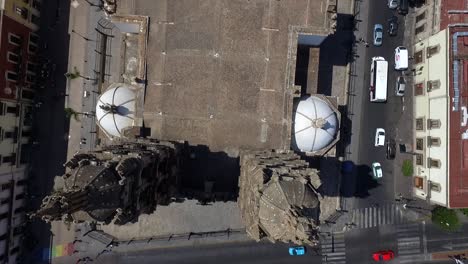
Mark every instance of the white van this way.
pixel 378 80
pixel 401 58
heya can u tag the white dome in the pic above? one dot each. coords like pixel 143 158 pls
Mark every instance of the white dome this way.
pixel 315 125
pixel 115 109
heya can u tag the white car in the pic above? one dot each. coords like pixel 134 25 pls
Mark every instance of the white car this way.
pixel 400 86
pixel 392 4
pixel 379 137
pixel 377 170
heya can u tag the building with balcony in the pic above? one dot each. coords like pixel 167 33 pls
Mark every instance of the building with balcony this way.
pixel 25 12
pixel 18 69
pixel 440 102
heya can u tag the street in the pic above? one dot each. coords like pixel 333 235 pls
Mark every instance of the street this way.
pixel 392 115
pixel 247 252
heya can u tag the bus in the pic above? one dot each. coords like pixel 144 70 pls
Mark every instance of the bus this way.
pixel 378 80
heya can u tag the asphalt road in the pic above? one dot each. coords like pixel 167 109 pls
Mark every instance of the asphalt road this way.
pixel 378 115
pixel 248 252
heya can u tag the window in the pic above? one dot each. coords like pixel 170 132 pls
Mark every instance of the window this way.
pixel 21 182
pixel 12 109
pixel 419 89
pixel 419 159
pixel 35 20
pixel 419 123
pixel 433 123
pixel 419 29
pixel 5 201
pixel 19 196
pixel 26 133
pixel 2 108
pixel 31 68
pixel 419 182
pixel 19 210
pixel 433 142
pixel 3 216
pixel 32 48
pixel 33 39
pixel 14 250
pixel 30 78
pixel 14 39
pixel 432 50
pixel 418 57
pixel 8 134
pixel 419 143
pixel 26 94
pixel 36 5
pixel 420 17
pixel 432 85
pixel 10 159
pixel 13 58
pixel 433 163
pixel 6 186
pixel 435 187
pixel 11 76
pixel 21 11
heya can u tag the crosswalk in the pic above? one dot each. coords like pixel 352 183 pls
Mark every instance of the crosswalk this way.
pixel 409 243
pixel 376 216
pixel 333 248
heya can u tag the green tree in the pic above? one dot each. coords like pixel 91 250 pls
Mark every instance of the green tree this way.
pixel 446 219
pixel 464 211
pixel 73 75
pixel 407 168
pixel 70 112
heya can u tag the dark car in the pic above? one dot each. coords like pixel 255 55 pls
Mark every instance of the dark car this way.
pixel 403 7
pixel 393 26
pixel 391 149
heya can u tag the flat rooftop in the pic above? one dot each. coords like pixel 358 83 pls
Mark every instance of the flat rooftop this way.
pixel 458 170
pixel 221 73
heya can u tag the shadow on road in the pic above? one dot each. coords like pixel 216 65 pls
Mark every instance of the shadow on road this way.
pixel 357 180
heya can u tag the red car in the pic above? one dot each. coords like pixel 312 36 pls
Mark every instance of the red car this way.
pixel 383 255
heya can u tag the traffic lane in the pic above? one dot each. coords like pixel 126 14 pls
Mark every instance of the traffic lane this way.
pixel 439 240
pixel 376 115
pixel 247 252
pixel 362 243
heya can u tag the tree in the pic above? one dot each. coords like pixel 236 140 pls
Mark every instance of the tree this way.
pixel 445 218
pixel 464 211
pixel 70 112
pixel 76 74
pixel 407 168
pixel 73 75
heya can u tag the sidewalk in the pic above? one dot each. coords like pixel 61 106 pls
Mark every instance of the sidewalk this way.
pixel 74 89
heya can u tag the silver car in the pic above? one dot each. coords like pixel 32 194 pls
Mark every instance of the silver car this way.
pixel 400 86
pixel 392 4
pixel 378 34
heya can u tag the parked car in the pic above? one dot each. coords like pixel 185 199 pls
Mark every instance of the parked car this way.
pixel 297 251
pixel 392 4
pixel 403 7
pixel 392 26
pixel 383 255
pixel 378 34
pixel 379 137
pixel 401 58
pixel 400 86
pixel 391 149
pixel 377 170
